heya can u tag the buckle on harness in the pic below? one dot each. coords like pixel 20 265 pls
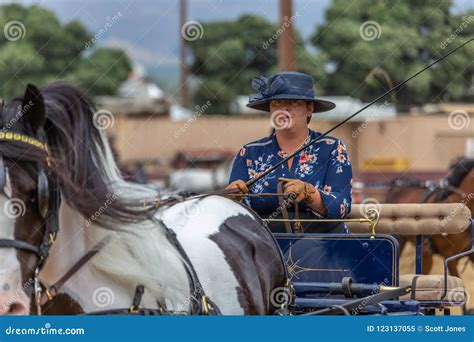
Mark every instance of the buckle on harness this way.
pixel 205 304
pixel 52 238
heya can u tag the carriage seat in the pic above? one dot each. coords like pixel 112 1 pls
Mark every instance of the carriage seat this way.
pixel 421 220
pixel 430 288
pixel 413 219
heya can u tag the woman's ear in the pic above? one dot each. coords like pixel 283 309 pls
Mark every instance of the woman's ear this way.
pixel 310 106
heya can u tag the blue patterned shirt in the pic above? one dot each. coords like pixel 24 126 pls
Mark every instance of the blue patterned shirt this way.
pixel 324 164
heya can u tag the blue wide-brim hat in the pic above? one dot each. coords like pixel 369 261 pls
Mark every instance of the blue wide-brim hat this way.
pixel 288 85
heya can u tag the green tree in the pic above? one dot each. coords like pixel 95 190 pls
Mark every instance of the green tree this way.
pixel 102 72
pixel 36 47
pixel 230 53
pixel 398 37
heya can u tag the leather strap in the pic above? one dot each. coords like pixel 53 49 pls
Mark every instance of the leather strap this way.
pixel 53 290
pixel 284 211
pixel 137 298
pixel 3 174
pixel 297 227
pixel 200 303
pixel 18 244
pixel 413 286
pixel 346 286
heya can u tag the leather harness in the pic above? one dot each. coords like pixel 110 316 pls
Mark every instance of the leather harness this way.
pixel 49 199
pixel 284 211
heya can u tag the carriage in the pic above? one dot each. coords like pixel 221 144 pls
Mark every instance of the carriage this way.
pixel 358 273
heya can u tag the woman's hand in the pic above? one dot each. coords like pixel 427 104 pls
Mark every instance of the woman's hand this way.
pixel 305 192
pixel 302 191
pixel 238 184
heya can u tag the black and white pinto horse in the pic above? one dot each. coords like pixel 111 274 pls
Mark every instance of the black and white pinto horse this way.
pixel 235 257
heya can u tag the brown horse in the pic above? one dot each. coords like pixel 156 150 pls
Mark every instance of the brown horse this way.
pixel 456 187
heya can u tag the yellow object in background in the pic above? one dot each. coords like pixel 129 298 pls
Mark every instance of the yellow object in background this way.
pixel 386 164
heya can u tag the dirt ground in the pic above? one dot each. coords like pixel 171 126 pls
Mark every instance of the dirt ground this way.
pixel 407 265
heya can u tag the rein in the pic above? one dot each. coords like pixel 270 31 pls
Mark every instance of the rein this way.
pixel 249 183
pixel 323 135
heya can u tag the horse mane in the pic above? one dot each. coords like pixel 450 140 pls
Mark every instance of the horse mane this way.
pixel 92 188
pixel 90 179
pixel 457 171
pixel 82 158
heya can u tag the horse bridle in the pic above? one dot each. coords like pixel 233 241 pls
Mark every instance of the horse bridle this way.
pixel 48 199
pixel 432 187
pixel 442 185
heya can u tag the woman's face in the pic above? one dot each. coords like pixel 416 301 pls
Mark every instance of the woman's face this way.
pixel 290 114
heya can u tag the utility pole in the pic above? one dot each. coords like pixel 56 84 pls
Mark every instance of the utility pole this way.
pixel 183 56
pixel 286 42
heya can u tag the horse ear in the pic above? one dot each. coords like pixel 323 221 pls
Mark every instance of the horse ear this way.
pixel 33 109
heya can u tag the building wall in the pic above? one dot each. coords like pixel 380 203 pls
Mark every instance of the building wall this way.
pixel 428 143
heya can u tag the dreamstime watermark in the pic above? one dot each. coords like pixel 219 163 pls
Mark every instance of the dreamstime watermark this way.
pixel 458 119
pixel 103 297
pixel 361 128
pixel 198 291
pixel 286 24
pixel 21 289
pixel 199 111
pixel 281 119
pixel 367 300
pixel 14 208
pixel 465 22
pixel 103 119
pixel 370 30
pixel 280 297
pixel 14 30
pixel 458 296
pixel 192 209
pixel 466 199
pixel 109 22
pixel 110 199
pixel 367 204
pixel 285 204
pixel 192 30
pixel 17 116
pixel 46 330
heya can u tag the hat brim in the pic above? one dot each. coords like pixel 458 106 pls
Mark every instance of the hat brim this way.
pixel 319 105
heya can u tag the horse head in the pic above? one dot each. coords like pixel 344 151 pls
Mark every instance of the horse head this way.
pixel 23 198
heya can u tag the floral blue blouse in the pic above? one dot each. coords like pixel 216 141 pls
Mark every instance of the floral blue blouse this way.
pixel 324 164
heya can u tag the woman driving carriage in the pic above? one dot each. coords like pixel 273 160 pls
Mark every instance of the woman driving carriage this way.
pixel 318 178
